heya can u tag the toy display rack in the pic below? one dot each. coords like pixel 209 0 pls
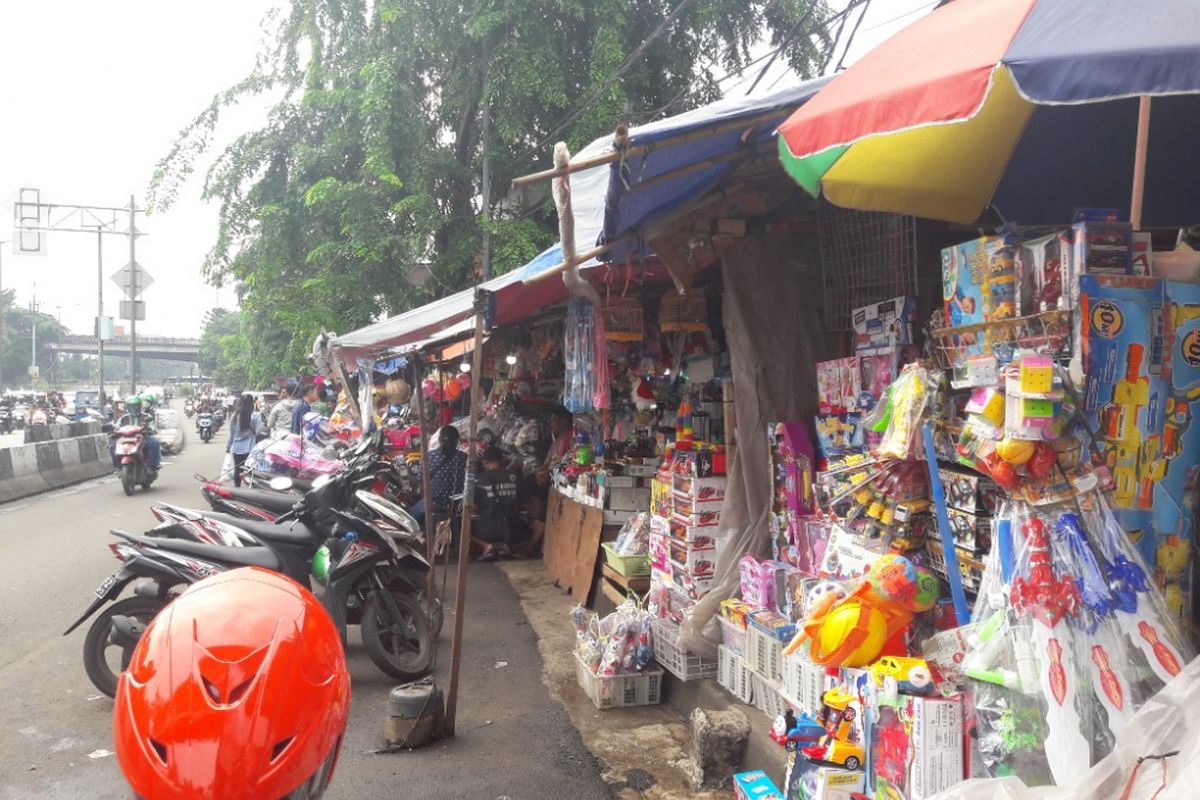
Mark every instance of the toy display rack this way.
pixel 1048 332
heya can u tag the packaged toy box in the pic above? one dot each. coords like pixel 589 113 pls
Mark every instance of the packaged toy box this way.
pixel 979 280
pixel 887 324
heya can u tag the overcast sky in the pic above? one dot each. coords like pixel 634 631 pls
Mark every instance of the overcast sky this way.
pixel 92 95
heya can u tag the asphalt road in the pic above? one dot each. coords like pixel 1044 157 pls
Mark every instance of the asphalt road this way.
pixel 513 740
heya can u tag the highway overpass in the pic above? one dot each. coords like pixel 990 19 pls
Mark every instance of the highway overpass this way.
pixel 162 347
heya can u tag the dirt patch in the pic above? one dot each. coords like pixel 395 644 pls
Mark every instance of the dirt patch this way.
pixel 642 751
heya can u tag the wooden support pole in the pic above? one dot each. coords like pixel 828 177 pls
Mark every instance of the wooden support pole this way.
pixel 430 533
pixel 464 540
pixel 1139 163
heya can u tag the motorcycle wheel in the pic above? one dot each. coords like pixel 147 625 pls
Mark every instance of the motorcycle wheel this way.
pixel 401 648
pixel 128 479
pixel 96 646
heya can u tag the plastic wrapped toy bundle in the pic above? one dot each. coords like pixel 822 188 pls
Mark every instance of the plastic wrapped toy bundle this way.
pixel 585 358
pixel 1071 641
pixel 634 538
pixel 620 643
pixel 909 401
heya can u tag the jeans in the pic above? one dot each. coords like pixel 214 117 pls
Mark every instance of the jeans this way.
pixel 153 453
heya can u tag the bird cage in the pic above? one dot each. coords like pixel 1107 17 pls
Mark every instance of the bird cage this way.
pixel 623 320
pixel 683 313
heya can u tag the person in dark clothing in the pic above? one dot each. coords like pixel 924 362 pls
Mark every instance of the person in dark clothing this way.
pixel 447 471
pixel 498 500
pixel 308 396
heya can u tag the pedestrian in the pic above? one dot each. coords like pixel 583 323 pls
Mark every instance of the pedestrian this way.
pixel 279 419
pixel 498 501
pixel 308 395
pixel 244 423
pixel 447 471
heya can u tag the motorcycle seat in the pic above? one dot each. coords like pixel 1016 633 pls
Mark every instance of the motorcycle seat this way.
pixel 285 533
pixel 241 556
pixel 278 502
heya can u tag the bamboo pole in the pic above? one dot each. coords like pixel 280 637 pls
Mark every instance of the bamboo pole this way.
pixel 430 533
pixel 1139 163
pixel 464 540
pixel 643 149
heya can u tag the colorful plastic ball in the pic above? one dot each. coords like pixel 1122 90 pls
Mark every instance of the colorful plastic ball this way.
pixel 840 623
pixel 928 590
pixel 453 391
pixel 430 389
pixel 893 577
pixel 822 595
pixel 464 380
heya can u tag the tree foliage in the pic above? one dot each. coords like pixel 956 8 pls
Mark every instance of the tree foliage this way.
pixel 223 351
pixel 369 160
pixel 16 346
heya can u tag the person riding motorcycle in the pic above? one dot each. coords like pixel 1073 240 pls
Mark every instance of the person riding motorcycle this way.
pixel 237 690
pixel 135 415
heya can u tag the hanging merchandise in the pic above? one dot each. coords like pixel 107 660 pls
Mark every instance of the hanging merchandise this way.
pixel 683 313
pixel 585 358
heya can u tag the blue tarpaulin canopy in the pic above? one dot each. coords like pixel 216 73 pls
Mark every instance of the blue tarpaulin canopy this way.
pixel 688 155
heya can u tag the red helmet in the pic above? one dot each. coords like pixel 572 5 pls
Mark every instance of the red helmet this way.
pixel 238 689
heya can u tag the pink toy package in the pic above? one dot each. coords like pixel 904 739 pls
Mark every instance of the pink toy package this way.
pixel 758 583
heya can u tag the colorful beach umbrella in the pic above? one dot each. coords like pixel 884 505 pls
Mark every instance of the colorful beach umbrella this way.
pixel 1033 106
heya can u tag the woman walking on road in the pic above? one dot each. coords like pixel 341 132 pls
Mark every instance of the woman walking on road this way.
pixel 241 434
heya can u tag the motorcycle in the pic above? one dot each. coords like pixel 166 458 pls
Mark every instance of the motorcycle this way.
pixel 373 573
pixel 7 424
pixel 205 426
pixel 131 455
pixel 189 408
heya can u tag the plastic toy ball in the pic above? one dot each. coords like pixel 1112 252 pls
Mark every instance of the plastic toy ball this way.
pixel 927 591
pixel 894 578
pixel 463 380
pixel 851 619
pixel 822 595
pixel 430 390
pixel 453 391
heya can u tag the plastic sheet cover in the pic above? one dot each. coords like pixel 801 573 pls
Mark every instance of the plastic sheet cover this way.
pixel 775 337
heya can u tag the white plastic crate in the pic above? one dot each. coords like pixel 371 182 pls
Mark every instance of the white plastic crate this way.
pixel 767 697
pixel 620 691
pixel 804 682
pixel 674 657
pixel 764 653
pixel 733 674
pixel 733 637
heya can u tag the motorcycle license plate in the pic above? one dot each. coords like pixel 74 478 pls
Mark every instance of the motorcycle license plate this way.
pixel 105 585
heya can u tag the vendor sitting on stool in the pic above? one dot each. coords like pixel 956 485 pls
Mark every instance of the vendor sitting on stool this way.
pixel 498 526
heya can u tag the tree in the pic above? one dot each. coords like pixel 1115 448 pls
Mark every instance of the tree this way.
pixel 369 162
pixel 223 349
pixel 17 348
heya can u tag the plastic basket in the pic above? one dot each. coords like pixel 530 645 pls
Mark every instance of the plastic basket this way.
pixel 620 691
pixel 733 637
pixel 674 657
pixel 767 698
pixel 764 653
pixel 629 566
pixel 623 320
pixel 733 674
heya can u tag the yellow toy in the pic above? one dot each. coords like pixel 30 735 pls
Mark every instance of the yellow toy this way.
pixel 896 674
pixel 838 747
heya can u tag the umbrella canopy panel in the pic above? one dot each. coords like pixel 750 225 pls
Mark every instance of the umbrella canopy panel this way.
pixel 986 100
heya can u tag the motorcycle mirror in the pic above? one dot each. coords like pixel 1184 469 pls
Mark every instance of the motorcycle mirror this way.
pixel 281 483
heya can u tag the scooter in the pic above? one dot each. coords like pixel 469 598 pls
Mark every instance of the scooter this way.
pixel 130 453
pixel 205 426
pixel 362 563
pixel 189 408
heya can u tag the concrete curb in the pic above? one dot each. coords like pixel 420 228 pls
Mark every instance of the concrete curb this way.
pixel 32 468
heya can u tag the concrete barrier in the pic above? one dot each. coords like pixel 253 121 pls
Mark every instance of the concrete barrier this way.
pixel 39 467
pixel 68 430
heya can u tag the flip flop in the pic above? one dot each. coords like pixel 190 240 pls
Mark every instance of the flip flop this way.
pixel 490 557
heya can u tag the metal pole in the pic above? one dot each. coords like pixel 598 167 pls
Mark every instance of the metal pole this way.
pixel 464 540
pixel 33 320
pixel 133 370
pixel 100 312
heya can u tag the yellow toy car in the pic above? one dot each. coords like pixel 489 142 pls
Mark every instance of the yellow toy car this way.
pixel 895 674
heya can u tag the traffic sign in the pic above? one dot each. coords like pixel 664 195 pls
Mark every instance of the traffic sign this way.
pixel 131 307
pixel 124 277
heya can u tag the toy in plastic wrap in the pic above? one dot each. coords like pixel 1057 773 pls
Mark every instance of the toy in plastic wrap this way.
pixel 1122 333
pixel 840 714
pixel 911 396
pixel 791 731
pixel 852 632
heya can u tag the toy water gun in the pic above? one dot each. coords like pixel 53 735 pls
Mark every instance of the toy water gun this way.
pixel 1097 620
pixel 1130 591
pixel 1048 601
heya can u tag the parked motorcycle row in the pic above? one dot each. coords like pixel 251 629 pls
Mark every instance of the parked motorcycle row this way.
pixel 341 535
